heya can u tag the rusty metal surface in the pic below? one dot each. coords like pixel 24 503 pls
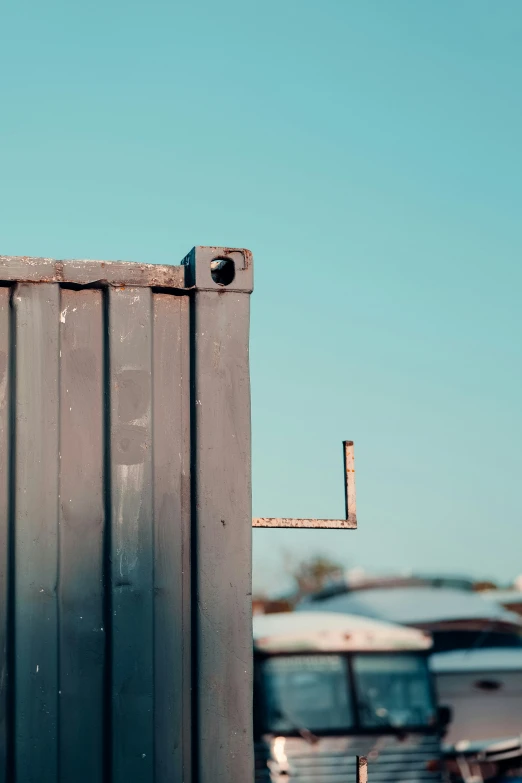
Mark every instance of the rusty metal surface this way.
pixel 241 264
pixel 288 522
pixel 78 272
pixel 362 769
pixel 350 521
pixel 125 508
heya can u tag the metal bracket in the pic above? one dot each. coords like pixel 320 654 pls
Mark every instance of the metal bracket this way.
pixel 350 522
pixel 362 769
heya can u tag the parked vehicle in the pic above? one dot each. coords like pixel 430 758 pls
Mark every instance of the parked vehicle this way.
pixel 479 762
pixel 509 599
pixel 470 634
pixel 456 619
pixel 359 579
pixel 331 687
pixel 483 689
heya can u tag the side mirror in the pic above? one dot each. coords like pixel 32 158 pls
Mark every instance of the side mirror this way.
pixel 444 716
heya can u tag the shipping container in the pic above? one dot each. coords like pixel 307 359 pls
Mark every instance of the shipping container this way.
pixel 125 520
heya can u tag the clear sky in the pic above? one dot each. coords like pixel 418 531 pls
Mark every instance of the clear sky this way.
pixel 369 153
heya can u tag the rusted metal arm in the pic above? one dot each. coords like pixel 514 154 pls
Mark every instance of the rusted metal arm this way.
pixel 362 769
pixel 350 521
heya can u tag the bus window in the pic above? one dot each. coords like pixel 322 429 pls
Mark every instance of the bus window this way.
pixel 393 690
pixel 307 692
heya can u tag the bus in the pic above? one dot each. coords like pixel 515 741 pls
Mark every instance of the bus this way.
pixel 329 688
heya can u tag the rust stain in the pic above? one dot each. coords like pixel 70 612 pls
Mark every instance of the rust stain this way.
pixel 230 251
pixel 337 524
pixel 348 523
pixel 87 272
pixel 362 769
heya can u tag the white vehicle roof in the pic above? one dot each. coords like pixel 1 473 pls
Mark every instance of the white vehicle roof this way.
pixel 500 659
pixel 416 605
pixel 503 597
pixel 325 632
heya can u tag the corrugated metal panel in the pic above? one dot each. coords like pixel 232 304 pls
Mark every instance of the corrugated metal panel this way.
pixel 125 521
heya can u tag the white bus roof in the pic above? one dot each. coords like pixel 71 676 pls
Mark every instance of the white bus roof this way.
pixel 500 659
pixel 321 631
pixel 416 606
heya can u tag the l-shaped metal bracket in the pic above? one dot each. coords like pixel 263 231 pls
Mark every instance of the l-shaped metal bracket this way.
pixel 350 521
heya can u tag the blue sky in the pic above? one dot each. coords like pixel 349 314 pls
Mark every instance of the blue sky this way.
pixel 369 154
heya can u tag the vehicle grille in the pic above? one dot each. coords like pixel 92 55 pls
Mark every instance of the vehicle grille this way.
pixel 333 760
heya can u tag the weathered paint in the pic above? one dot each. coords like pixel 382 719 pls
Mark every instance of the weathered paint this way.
pixel 333 524
pixel 223 513
pixel 77 272
pixel 350 521
pixel 125 521
pixel 362 769
pixel 36 532
pixel 329 632
pixel 81 511
pixel 172 534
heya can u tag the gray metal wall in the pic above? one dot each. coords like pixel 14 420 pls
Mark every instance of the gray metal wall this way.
pixel 125 521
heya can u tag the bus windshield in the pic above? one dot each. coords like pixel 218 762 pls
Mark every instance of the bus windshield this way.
pixel 307 692
pixel 313 692
pixel 393 690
